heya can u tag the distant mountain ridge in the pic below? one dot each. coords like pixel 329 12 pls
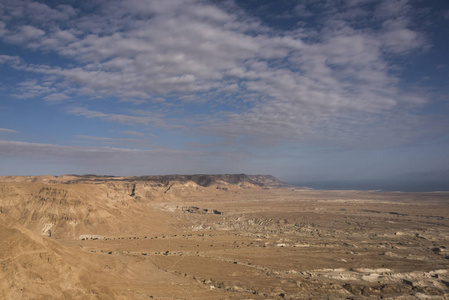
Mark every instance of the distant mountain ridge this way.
pixel 203 180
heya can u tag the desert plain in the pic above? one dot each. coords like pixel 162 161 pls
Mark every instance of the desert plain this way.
pixel 217 237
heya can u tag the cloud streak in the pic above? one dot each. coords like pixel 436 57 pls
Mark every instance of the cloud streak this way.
pixel 114 160
pixel 125 119
pixel 19 148
pixel 6 130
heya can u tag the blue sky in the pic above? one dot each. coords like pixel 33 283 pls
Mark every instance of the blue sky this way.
pixel 303 90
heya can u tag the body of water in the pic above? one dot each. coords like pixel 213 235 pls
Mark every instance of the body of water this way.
pixel 382 185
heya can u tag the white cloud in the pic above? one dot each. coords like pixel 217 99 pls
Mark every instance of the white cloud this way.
pixel 6 130
pixel 301 84
pixel 398 38
pixel 14 61
pixel 56 97
pixel 133 133
pixel 120 118
pixel 33 89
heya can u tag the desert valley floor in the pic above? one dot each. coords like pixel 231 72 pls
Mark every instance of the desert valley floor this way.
pixel 217 237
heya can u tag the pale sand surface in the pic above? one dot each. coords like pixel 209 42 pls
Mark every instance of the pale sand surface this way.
pixel 72 237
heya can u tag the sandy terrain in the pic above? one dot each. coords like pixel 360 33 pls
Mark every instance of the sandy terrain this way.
pixel 217 237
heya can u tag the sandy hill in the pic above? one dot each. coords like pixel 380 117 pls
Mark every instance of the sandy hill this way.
pixel 41 215
pixel 36 267
pixel 217 237
pixel 75 206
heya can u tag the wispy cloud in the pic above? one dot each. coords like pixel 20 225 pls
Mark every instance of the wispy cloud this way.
pixel 5 130
pixel 88 137
pixel 56 97
pixel 133 133
pixel 12 60
pixel 332 82
pixel 19 148
pixel 116 160
pixel 113 141
pixel 125 119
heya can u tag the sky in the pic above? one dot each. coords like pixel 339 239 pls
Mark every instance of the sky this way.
pixel 307 90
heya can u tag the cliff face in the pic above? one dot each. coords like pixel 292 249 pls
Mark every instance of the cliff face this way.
pixel 208 180
pixel 70 206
